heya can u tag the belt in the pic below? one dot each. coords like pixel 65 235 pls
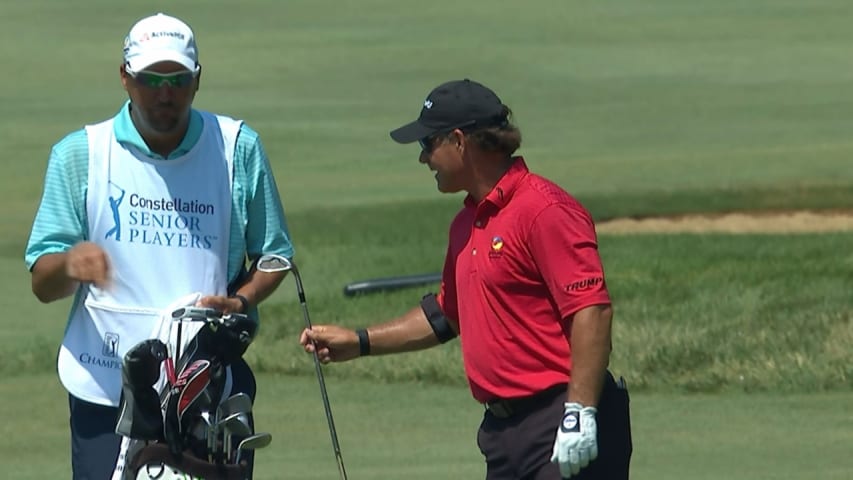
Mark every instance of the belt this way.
pixel 507 407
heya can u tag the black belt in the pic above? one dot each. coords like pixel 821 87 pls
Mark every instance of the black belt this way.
pixel 507 407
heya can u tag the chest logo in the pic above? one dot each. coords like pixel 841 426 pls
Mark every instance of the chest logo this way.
pixel 497 246
pixel 116 197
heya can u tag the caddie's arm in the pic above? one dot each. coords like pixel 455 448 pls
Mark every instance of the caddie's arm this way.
pixel 50 281
pixel 259 285
pixel 590 350
pixel 256 287
pixel 58 275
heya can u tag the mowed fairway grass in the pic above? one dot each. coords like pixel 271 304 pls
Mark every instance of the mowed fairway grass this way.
pixel 737 348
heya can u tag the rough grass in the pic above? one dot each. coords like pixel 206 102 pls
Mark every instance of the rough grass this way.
pixel 693 312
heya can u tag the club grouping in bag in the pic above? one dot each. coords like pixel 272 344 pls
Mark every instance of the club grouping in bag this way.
pixel 189 423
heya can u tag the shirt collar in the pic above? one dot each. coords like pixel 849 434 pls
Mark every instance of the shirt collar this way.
pixel 127 134
pixel 506 186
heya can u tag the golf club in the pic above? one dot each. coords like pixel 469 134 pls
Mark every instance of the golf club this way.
pixel 277 263
pixel 234 424
pixel 259 440
pixel 209 433
pixel 237 403
pixel 390 283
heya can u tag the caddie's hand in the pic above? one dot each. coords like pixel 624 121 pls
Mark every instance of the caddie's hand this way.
pixel 222 303
pixel 576 444
pixel 88 262
pixel 333 343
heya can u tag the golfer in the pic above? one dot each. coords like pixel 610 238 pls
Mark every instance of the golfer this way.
pixel 158 202
pixel 524 289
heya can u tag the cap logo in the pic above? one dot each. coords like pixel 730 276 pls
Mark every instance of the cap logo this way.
pixel 428 104
pixel 149 36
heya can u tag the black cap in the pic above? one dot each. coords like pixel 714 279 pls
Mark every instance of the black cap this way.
pixel 455 104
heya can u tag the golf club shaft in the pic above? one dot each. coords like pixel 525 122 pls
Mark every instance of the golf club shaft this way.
pixel 329 419
pixel 332 431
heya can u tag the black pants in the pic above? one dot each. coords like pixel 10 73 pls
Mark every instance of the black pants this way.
pixel 95 445
pixel 519 447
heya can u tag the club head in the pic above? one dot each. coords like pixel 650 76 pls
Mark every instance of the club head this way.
pixel 195 313
pixel 236 424
pixel 256 441
pixel 237 403
pixel 274 263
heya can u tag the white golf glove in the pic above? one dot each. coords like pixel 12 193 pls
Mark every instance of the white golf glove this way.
pixel 576 444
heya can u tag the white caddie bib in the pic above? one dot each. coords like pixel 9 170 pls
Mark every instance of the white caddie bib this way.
pixel 165 225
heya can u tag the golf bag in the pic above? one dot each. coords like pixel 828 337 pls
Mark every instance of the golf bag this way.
pixel 186 426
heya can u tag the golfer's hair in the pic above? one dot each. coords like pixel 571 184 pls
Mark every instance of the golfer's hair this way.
pixel 505 138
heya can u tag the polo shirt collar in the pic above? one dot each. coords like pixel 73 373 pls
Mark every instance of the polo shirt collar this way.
pixel 506 186
pixel 127 135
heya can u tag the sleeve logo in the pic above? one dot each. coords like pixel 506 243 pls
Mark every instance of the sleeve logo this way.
pixel 585 284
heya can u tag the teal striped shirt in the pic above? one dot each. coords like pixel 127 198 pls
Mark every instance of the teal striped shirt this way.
pixel 258 225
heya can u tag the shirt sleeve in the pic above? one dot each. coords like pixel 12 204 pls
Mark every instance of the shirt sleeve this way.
pixel 266 225
pixel 61 220
pixel 564 246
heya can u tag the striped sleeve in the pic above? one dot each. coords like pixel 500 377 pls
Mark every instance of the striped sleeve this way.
pixel 61 217
pixel 261 210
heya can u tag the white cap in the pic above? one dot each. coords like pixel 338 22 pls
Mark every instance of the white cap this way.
pixel 160 38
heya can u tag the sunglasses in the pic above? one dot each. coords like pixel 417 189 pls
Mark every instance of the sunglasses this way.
pixel 428 143
pixel 157 80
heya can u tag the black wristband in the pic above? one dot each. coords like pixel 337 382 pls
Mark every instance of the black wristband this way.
pixel 363 342
pixel 244 302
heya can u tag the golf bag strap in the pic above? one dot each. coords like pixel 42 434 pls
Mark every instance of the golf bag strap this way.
pixel 158 453
pixel 437 320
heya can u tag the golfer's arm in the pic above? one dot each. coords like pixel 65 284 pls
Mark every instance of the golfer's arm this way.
pixel 590 353
pixel 50 281
pixel 406 333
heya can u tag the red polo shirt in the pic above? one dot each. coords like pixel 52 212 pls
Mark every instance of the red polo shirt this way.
pixel 518 264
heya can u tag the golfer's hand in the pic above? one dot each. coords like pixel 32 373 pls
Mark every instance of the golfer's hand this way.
pixel 333 343
pixel 87 262
pixel 576 444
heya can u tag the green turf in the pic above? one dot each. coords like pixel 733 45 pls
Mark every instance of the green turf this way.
pixel 612 97
pixel 388 432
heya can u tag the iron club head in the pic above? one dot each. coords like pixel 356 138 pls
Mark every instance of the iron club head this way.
pixel 254 442
pixel 237 403
pixel 274 263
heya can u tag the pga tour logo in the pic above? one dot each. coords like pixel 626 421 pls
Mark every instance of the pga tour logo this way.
pixel 110 347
